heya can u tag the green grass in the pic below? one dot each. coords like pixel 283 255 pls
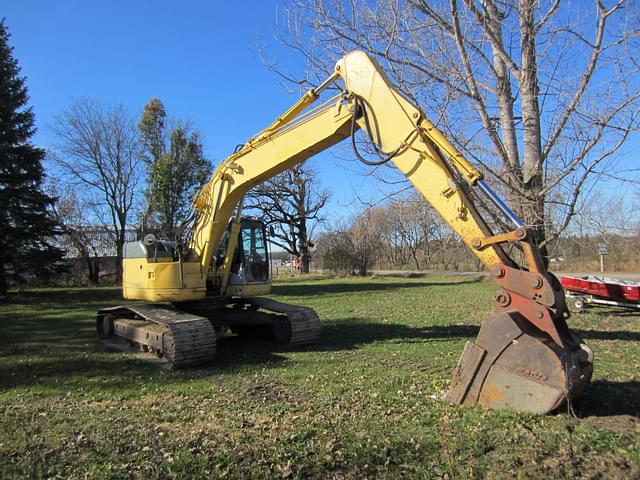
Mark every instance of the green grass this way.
pixel 362 403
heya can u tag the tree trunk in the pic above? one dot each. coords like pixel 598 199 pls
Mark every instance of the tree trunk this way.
pixel 303 243
pixel 121 232
pixel 119 250
pixel 93 266
pixel 533 208
pixel 414 254
pixel 504 97
pixel 3 281
pixel 305 262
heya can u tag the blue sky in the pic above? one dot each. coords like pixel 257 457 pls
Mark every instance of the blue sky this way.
pixel 201 59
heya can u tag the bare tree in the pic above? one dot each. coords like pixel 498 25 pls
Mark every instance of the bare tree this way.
pixel 366 236
pixel 335 251
pixel 607 215
pixel 541 95
pixel 413 223
pixel 606 218
pixel 291 204
pixel 99 151
pixel 71 214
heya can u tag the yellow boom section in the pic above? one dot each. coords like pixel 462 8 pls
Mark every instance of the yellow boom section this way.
pixel 394 124
pixel 259 160
pixel 399 125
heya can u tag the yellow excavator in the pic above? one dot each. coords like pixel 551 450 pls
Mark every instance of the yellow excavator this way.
pixel 215 273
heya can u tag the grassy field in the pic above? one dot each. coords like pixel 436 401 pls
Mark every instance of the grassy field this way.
pixel 362 403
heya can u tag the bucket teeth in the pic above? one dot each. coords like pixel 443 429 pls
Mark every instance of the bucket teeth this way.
pixel 513 365
pixel 465 372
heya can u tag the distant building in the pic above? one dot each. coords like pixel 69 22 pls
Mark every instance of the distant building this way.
pixel 99 239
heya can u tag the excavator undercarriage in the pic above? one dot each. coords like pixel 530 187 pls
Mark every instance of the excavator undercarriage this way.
pixel 184 335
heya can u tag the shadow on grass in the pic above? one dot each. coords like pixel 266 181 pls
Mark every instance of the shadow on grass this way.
pixel 608 335
pixel 119 373
pixel 349 287
pixel 52 331
pixel 99 367
pixel 66 298
pixel 604 398
pixel 52 320
pixel 353 333
pixel 607 311
pixel 49 340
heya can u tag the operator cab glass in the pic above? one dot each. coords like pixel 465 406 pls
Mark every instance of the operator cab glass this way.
pixel 254 251
pixel 222 247
pixel 251 259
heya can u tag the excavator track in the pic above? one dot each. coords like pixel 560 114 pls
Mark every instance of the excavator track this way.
pixel 255 316
pixel 302 325
pixel 180 339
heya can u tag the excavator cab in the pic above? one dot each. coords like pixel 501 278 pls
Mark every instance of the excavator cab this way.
pixel 249 270
pixel 251 262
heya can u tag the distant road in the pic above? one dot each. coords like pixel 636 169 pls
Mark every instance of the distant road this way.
pixel 634 276
pixel 420 273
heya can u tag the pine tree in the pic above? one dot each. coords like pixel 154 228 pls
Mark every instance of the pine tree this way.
pixel 27 227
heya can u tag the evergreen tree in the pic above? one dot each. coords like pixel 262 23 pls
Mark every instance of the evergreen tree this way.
pixel 27 226
pixel 176 164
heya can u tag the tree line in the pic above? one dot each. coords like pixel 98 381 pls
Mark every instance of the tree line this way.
pixel 404 233
pixel 407 234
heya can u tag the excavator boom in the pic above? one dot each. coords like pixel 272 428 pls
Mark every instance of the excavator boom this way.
pixel 525 356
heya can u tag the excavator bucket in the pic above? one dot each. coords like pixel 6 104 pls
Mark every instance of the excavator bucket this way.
pixel 514 365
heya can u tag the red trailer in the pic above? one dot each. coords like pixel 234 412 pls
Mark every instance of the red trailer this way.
pixel 602 291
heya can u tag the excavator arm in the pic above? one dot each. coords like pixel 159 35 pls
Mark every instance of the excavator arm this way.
pixel 525 356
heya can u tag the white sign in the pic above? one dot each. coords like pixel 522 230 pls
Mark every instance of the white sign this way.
pixel 602 249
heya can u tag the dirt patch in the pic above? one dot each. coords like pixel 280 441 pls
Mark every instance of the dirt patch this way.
pixel 592 466
pixel 604 466
pixel 566 463
pixel 272 392
pixel 625 424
